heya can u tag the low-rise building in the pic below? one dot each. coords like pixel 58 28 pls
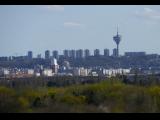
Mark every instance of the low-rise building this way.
pixel 94 73
pixel 114 72
pixel 80 72
pixel 30 71
pixel 47 72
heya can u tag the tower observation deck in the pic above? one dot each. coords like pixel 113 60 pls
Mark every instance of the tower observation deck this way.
pixel 117 39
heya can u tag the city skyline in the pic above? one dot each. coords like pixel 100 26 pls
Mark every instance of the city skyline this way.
pixel 39 28
pixel 75 53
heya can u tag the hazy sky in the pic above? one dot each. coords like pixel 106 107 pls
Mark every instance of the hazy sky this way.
pixel 42 27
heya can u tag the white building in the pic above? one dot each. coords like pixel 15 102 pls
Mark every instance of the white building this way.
pixel 30 71
pixel 113 72
pixel 80 72
pixel 6 72
pixel 37 74
pixel 54 65
pixel 94 73
pixel 48 72
pixel 76 72
pixel 83 72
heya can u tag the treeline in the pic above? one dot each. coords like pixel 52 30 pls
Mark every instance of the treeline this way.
pixel 141 80
pixel 62 81
pixel 56 81
pixel 110 95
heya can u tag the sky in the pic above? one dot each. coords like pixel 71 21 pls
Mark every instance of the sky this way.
pixel 58 27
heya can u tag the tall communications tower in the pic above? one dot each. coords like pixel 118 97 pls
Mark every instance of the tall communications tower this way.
pixel 117 39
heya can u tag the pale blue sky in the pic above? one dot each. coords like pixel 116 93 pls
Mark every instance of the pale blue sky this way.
pixel 39 28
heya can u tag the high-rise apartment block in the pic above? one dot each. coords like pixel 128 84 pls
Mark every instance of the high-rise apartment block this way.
pixel 115 52
pixel 30 55
pixel 96 52
pixel 72 53
pixel 47 54
pixel 55 54
pixel 66 53
pixel 86 53
pixel 106 52
pixel 79 53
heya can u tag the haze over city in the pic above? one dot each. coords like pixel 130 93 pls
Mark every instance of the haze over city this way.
pixel 56 27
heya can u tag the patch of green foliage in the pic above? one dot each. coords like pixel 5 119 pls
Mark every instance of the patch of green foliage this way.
pixel 107 96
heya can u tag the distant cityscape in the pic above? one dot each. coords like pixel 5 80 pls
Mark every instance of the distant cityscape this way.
pixel 80 63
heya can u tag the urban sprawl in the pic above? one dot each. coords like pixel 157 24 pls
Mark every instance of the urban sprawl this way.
pixel 80 63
